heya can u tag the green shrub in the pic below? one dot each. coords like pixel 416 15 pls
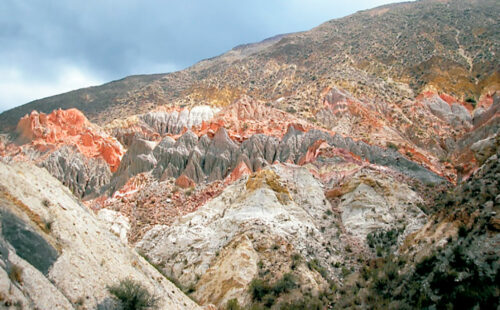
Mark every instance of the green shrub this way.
pixel 391 145
pixel 132 295
pixel 296 260
pixel 233 304
pixel 315 265
pixel 383 241
pixel 462 231
pixel 471 100
pixel 285 284
pixel 258 289
pixel 426 265
pixel 268 300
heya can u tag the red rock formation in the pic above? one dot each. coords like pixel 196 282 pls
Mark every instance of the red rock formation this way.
pixel 184 182
pixel 240 170
pixel 246 117
pixel 47 132
pixel 313 152
pixel 147 202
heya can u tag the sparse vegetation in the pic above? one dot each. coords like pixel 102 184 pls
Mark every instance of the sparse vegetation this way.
pixel 265 295
pixel 391 145
pixel 285 284
pixel 315 265
pixel 463 273
pixel 383 241
pixel 258 289
pixel 15 273
pixel 233 304
pixel 46 202
pixel 47 224
pixel 296 261
pixel 131 295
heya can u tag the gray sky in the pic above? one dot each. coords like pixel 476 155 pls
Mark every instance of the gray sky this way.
pixel 52 46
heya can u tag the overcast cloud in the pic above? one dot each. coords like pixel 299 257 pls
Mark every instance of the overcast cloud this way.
pixel 49 47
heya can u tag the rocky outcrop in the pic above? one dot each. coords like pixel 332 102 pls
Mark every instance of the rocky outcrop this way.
pixel 483 149
pixel 282 203
pixel 73 150
pixel 205 160
pixel 82 175
pixel 147 202
pixel 68 127
pixel 486 124
pixel 247 116
pixel 455 113
pixel 139 158
pixel 54 254
pixel 158 123
pixel 372 201
pixel 184 182
pixel 175 122
pixel 483 116
pixel 265 219
pixel 116 223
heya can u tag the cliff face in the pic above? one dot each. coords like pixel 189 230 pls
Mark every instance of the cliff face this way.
pixel 68 127
pixel 76 152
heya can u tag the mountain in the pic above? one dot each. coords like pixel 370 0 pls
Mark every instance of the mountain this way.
pixel 354 165
pixel 376 52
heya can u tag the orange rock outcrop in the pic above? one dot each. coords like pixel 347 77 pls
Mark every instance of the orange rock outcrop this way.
pixel 184 182
pixel 47 132
pixel 247 116
pixel 240 170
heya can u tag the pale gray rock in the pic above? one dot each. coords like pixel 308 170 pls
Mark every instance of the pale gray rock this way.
pixel 477 116
pixel 174 122
pixel 83 176
pixel 88 256
pixel 188 247
pixel 376 202
pixel 138 158
pixel 460 112
pixel 205 160
pixel 439 107
pixel 483 149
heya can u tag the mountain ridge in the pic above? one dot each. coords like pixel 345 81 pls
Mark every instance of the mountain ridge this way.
pixel 184 87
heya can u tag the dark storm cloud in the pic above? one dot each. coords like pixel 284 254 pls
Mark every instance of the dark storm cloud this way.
pixel 52 46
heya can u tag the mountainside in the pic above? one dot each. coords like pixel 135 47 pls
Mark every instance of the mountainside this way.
pixel 354 165
pixel 54 254
pixel 377 53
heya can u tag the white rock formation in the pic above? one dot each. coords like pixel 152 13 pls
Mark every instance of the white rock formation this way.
pixel 88 257
pixel 373 201
pixel 288 203
pixel 173 122
pixel 116 222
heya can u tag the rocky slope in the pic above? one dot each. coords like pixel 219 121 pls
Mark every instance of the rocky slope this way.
pixel 54 254
pixel 452 261
pixel 454 51
pixel 76 152
pixel 267 218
